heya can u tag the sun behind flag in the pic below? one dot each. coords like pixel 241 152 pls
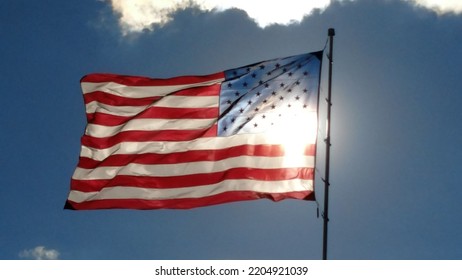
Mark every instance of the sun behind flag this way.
pixel 242 134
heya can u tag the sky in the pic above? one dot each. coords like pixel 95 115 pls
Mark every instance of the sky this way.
pixel 396 168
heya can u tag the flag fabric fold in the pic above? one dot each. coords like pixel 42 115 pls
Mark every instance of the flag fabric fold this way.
pixel 241 134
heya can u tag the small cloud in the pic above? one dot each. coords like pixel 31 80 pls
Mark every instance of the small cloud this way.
pixel 39 253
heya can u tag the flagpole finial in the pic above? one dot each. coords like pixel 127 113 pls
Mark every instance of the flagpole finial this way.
pixel 331 32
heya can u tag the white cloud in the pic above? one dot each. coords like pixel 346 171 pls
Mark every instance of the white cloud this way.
pixel 40 253
pixel 268 12
pixel 136 15
pixel 441 6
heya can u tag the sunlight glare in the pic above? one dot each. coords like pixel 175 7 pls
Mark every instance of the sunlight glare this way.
pixel 296 136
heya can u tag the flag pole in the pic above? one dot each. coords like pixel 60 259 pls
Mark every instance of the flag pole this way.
pixel 331 34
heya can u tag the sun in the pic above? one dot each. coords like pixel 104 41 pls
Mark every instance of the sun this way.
pixel 295 136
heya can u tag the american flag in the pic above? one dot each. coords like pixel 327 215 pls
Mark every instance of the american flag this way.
pixel 183 142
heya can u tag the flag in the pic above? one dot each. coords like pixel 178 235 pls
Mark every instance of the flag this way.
pixel 241 134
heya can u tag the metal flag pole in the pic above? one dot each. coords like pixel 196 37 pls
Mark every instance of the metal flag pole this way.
pixel 331 34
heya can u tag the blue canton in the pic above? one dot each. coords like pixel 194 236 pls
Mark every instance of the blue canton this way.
pixel 258 97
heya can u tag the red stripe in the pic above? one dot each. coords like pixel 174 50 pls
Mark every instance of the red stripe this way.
pixel 153 113
pixel 189 156
pixel 146 136
pixel 144 81
pixel 193 180
pixel 105 119
pixel 186 203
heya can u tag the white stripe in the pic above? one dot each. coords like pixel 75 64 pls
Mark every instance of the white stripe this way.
pixel 149 125
pixel 167 101
pixel 124 111
pixel 140 91
pixel 215 143
pixel 188 101
pixel 194 192
pixel 200 167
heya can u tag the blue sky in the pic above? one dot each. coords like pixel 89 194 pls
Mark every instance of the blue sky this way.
pixel 396 167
